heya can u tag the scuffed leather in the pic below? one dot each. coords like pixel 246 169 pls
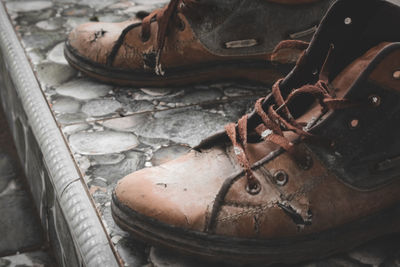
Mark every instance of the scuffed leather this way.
pixel 268 22
pixel 184 192
pixel 94 40
pixel 179 192
pixel 190 46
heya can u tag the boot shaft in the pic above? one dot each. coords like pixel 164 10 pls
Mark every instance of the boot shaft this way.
pixel 351 33
pixel 365 148
pixel 365 152
pixel 365 155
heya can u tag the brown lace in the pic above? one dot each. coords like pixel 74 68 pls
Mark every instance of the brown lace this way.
pixel 164 17
pixel 278 119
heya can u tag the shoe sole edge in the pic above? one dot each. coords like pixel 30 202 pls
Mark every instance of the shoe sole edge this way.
pixel 238 250
pixel 259 71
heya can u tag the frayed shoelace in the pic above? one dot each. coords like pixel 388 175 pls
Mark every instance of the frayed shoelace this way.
pixel 164 18
pixel 278 119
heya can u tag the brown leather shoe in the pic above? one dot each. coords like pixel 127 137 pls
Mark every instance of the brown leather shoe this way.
pixel 191 41
pixel 311 172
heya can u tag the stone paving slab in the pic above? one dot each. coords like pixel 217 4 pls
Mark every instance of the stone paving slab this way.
pixel 113 130
pixel 29 259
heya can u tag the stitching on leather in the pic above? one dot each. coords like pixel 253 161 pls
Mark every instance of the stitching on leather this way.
pixel 242 205
pixel 307 187
pixel 219 202
pixel 252 211
pixel 257 209
pixel 219 198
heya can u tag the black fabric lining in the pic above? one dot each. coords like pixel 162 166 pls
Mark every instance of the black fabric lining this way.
pixel 347 40
pixel 220 198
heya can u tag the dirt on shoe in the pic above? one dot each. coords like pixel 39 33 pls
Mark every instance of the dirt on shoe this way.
pixel 191 41
pixel 313 171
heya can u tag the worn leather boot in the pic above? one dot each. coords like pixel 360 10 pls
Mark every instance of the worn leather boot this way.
pixel 197 40
pixel 313 171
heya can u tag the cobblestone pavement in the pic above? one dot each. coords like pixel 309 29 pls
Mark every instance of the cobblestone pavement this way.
pixel 22 241
pixel 113 131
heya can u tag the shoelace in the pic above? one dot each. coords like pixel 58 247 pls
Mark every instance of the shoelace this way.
pixel 274 124
pixel 164 17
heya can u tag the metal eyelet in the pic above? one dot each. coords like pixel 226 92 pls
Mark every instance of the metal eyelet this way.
pixel 354 123
pixel 254 189
pixel 374 100
pixel 396 75
pixel 348 21
pixel 281 178
pixel 181 25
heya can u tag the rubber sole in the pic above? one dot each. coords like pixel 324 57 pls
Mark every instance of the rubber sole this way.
pixel 250 251
pixel 260 71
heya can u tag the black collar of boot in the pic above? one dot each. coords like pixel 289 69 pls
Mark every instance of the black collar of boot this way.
pixel 352 27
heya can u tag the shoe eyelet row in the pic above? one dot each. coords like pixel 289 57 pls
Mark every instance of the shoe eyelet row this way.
pixel 375 101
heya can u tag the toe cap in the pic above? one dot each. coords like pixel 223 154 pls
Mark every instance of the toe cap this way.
pixel 94 41
pixel 178 193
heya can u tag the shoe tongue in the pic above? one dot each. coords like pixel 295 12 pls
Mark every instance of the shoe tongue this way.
pixel 346 78
pixel 344 81
pixel 311 111
pixel 305 109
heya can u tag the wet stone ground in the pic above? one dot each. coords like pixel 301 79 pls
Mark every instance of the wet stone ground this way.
pixel 113 131
pixel 22 240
